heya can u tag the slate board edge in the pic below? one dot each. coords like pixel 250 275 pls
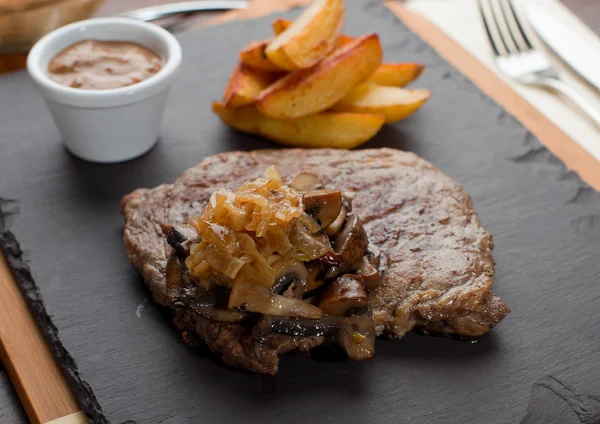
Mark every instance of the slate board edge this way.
pixel 82 390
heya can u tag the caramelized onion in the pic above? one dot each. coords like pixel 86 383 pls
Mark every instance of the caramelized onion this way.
pixel 308 245
pixel 310 223
pixel 243 234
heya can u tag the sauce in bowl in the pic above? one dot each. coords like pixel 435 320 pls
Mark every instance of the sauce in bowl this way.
pixel 103 65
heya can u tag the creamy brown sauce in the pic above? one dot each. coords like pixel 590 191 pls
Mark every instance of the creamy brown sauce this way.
pixel 102 65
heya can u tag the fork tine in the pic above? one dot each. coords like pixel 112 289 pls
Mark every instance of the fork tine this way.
pixel 517 21
pixel 488 22
pixel 512 27
pixel 503 26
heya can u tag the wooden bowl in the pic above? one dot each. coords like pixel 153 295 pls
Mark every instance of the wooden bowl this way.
pixel 23 22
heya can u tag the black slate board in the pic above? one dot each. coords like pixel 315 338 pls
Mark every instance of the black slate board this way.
pixel 11 411
pixel 538 366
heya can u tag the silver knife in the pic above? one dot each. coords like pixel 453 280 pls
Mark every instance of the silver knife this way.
pixel 566 43
pixel 158 12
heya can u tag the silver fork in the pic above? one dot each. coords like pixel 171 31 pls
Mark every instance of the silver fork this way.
pixel 517 57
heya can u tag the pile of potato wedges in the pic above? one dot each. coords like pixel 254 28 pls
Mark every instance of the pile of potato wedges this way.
pixel 312 86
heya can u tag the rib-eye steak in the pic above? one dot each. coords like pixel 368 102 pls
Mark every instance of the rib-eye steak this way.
pixel 435 256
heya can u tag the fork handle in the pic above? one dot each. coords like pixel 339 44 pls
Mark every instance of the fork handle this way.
pixel 590 109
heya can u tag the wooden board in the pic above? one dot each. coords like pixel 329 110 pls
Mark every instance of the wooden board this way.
pixel 183 137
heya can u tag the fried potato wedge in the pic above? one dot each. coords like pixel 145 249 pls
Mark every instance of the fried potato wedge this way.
pixel 279 25
pixel 310 38
pixel 335 130
pixel 313 90
pixel 394 103
pixel 343 40
pixel 396 74
pixel 254 56
pixel 245 84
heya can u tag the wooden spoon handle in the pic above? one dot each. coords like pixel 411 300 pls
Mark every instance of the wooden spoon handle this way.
pixel 37 378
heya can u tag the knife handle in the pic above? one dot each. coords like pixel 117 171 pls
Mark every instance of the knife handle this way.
pixel 589 108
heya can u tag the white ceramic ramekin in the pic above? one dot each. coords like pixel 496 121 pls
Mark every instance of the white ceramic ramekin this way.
pixel 107 125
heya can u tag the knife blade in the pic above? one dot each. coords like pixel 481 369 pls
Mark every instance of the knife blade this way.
pixel 571 47
pixel 153 13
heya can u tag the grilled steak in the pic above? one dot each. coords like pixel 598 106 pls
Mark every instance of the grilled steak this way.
pixel 435 255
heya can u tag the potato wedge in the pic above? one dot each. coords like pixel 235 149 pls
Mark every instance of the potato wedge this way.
pixel 245 84
pixel 310 38
pixel 243 119
pixel 392 102
pixel 336 130
pixel 343 40
pixel 313 90
pixel 254 56
pixel 397 74
pixel 279 25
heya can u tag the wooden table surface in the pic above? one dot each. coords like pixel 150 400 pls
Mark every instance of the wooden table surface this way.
pixel 10 410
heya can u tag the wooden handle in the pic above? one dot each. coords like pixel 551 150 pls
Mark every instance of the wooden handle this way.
pixel 39 382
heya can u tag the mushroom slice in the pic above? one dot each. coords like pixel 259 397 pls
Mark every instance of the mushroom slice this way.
pixel 296 327
pixel 290 280
pixel 216 314
pixel 336 226
pixel 323 205
pixel 247 297
pixel 180 238
pixel 373 254
pixel 179 284
pixel 185 293
pixel 316 272
pixel 344 296
pixel 350 245
pixel 306 181
pixel 370 275
pixel 357 337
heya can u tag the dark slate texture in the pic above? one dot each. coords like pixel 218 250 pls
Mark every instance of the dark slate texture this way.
pixel 541 365
pixel 11 411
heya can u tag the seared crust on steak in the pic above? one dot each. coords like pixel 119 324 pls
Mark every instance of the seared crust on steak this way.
pixel 435 255
pixel 234 343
